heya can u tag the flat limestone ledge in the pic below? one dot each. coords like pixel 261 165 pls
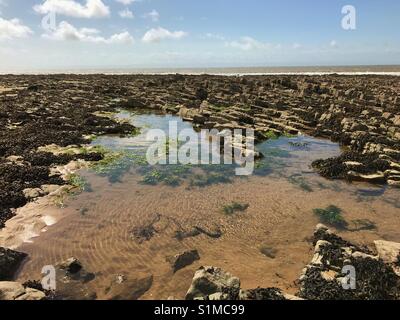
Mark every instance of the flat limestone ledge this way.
pixel 16 291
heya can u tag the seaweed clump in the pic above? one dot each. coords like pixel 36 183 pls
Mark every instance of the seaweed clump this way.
pixel 326 277
pixel 332 215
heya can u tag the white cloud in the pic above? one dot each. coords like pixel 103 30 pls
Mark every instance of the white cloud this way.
pixel 71 8
pixel 156 35
pixel 126 13
pixel 333 44
pixel 153 15
pixel 66 31
pixel 121 38
pixel 248 43
pixel 214 36
pixel 10 29
pixel 296 45
pixel 127 2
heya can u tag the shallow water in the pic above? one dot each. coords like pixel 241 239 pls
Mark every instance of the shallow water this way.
pixel 98 225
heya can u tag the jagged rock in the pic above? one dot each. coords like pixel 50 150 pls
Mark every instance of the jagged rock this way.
pixel 396 120
pixel 32 193
pixel 16 291
pixel 15 159
pixel 180 261
pixel 262 294
pixel 389 252
pixel 72 279
pixel 71 265
pixel 214 284
pixel 199 119
pixel 48 188
pixel 10 261
pixel 209 281
pixel 325 276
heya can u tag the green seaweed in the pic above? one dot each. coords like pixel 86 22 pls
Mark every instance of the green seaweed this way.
pixel 298 180
pixel 110 161
pixel 209 178
pixel 78 182
pixel 363 224
pixel 270 135
pixel 234 208
pixel 114 163
pixel 135 132
pixel 153 177
pixel 289 135
pixel 171 175
pixel 332 215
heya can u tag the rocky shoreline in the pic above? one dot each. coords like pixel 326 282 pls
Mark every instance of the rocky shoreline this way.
pixel 362 113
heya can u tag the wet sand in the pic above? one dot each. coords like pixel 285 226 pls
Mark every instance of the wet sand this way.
pixel 280 216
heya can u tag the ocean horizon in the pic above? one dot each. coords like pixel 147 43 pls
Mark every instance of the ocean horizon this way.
pixel 393 70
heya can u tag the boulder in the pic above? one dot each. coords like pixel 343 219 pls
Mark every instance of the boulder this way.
pixel 15 159
pixel 214 284
pixel 182 260
pixel 71 265
pixel 72 280
pixel 32 193
pixel 32 294
pixel 9 263
pixel 16 291
pixel 389 252
pixel 209 281
pixel 396 120
pixel 49 188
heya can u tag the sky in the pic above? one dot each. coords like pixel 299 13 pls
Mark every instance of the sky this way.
pixel 65 34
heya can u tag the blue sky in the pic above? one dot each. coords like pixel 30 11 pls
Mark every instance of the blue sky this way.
pixel 195 33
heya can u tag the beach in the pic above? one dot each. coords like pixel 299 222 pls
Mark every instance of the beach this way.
pixel 75 182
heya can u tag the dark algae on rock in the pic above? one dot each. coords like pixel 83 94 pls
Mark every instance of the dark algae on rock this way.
pixel 323 278
pixel 10 261
pixel 57 112
pixel 234 207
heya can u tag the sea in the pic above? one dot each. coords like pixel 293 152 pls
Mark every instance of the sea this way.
pixel 391 70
